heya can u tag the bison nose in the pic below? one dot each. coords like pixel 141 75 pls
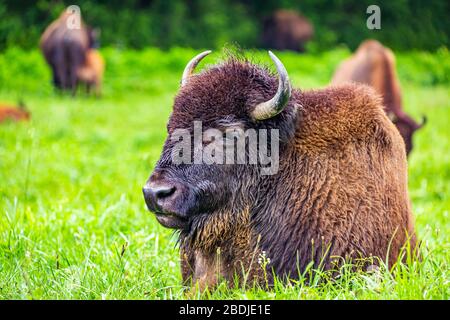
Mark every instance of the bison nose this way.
pixel 161 192
pixel 159 196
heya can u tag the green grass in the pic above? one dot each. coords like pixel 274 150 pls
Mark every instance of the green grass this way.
pixel 73 223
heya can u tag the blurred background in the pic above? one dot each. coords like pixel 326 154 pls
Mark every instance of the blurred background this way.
pixel 406 24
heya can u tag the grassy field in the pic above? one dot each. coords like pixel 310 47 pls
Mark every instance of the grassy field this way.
pixel 73 223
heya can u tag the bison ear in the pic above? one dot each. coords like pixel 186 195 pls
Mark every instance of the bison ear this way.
pixel 268 109
pixel 190 67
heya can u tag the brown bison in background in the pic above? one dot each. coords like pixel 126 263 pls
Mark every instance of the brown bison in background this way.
pixel 286 30
pixel 13 113
pixel 65 50
pixel 374 64
pixel 340 191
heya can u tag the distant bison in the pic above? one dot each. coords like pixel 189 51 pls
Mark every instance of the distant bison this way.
pixel 287 30
pixel 91 72
pixel 374 64
pixel 340 189
pixel 64 49
pixel 13 113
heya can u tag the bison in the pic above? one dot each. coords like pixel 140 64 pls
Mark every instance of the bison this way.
pixel 287 30
pixel 13 113
pixel 340 189
pixel 374 64
pixel 65 49
pixel 91 72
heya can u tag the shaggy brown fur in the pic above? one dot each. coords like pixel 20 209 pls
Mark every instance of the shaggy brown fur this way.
pixel 374 65
pixel 341 189
pixel 287 30
pixel 13 113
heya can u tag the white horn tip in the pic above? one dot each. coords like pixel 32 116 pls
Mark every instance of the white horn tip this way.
pixel 191 66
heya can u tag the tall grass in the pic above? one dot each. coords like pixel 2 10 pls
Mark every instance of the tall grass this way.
pixel 73 223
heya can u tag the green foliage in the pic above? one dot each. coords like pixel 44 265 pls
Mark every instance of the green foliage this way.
pixel 405 24
pixel 26 71
pixel 73 223
pixel 425 68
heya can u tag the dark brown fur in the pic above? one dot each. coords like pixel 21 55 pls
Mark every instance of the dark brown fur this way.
pixel 287 30
pixel 374 65
pixel 341 189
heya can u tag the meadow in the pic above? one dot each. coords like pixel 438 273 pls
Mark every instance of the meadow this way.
pixel 73 222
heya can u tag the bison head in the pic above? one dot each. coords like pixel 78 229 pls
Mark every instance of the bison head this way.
pixel 407 126
pixel 233 96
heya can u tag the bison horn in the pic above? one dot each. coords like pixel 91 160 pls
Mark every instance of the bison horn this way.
pixel 424 121
pixel 268 109
pixel 189 69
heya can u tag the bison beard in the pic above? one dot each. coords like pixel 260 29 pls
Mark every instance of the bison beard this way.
pixel 340 192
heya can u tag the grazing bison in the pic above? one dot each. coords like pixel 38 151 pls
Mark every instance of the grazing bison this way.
pixel 286 30
pixel 340 189
pixel 373 64
pixel 14 113
pixel 65 50
pixel 91 73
